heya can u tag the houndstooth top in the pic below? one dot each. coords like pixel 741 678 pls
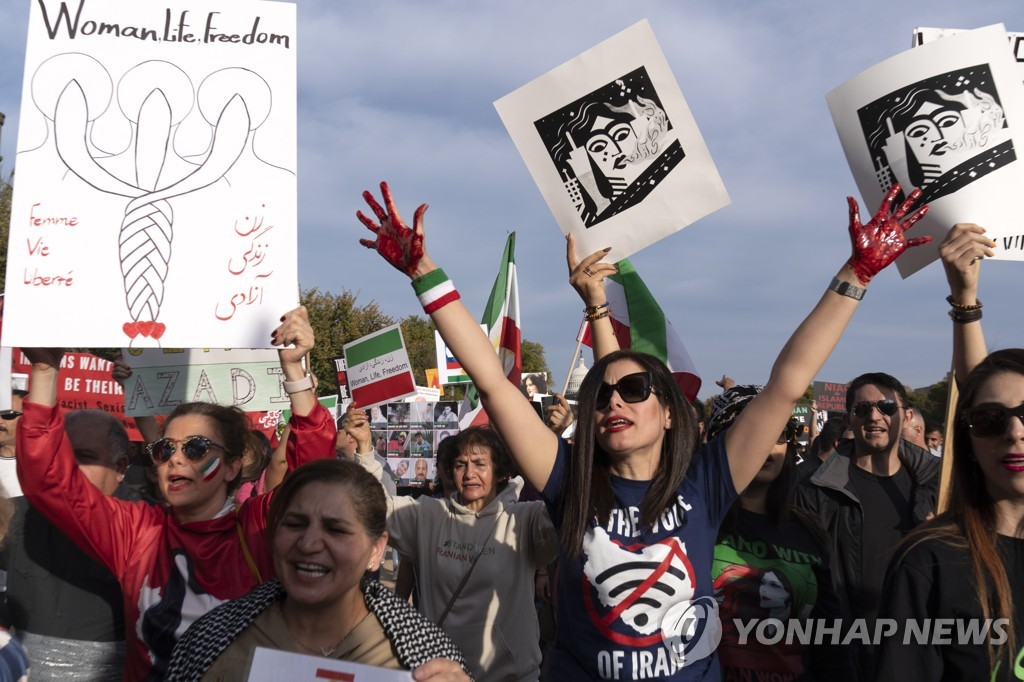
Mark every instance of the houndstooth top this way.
pixel 415 639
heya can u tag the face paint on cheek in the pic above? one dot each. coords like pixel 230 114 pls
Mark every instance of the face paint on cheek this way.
pixel 210 469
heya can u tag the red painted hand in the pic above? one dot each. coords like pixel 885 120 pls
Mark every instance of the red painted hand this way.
pixel 396 242
pixel 882 240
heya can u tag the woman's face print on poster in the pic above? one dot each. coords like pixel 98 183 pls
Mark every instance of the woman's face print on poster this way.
pixel 939 134
pixel 612 147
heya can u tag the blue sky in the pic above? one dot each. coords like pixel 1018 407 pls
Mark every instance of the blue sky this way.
pixel 403 91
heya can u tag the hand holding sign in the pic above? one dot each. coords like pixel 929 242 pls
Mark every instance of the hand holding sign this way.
pixel 296 332
pixel 396 242
pixel 587 276
pixel 882 240
pixel 963 247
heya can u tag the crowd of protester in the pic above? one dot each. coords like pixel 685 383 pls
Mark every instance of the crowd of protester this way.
pixel 670 546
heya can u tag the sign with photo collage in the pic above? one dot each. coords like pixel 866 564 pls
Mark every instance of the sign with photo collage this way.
pixel 408 435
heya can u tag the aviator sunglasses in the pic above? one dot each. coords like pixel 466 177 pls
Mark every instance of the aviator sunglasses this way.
pixel 8 415
pixel 632 388
pixel 193 447
pixel 989 421
pixel 886 407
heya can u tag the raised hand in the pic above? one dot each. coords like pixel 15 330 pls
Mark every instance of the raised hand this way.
pixel 296 332
pixel 396 242
pixel 882 240
pixel 587 276
pixel 962 249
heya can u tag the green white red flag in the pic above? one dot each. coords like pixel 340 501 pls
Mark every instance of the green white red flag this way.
pixel 640 325
pixel 378 368
pixel 501 319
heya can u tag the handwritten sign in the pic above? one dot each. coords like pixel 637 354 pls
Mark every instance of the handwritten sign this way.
pixel 163 379
pixel 379 370
pixel 946 118
pixel 613 147
pixel 271 665
pixel 156 200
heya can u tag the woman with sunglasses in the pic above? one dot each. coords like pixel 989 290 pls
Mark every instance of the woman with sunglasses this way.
pixel 772 562
pixel 178 560
pixel 967 564
pixel 636 504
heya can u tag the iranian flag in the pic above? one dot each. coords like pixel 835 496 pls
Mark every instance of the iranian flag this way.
pixel 501 319
pixel 378 368
pixel 640 325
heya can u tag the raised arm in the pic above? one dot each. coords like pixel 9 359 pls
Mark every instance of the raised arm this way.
pixel 532 445
pixel 587 278
pixel 874 247
pixel 962 252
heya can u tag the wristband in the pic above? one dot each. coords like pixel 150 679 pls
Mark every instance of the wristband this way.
pixel 965 316
pixel 590 317
pixel 299 385
pixel 591 309
pixel 434 290
pixel 846 289
pixel 960 306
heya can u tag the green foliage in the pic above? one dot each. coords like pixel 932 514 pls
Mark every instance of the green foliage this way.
pixel 533 357
pixel 418 332
pixel 6 195
pixel 337 319
pixel 931 400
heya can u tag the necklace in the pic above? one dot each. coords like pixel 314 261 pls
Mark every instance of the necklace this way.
pixel 324 651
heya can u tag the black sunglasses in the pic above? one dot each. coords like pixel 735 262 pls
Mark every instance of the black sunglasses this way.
pixel 8 415
pixel 989 421
pixel 886 407
pixel 632 388
pixel 193 447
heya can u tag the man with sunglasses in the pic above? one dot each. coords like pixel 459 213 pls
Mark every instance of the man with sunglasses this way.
pixel 66 607
pixel 870 493
pixel 8 429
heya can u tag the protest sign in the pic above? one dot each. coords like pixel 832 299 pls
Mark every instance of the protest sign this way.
pixel 831 397
pixel 162 379
pixel 1016 41
pixel 85 384
pixel 449 371
pixel 613 147
pixel 144 214
pixel 944 118
pixel 341 376
pixel 272 665
pixel 378 368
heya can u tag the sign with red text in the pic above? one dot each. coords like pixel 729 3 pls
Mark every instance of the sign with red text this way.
pixel 162 379
pixel 379 370
pixel 271 665
pixel 85 384
pixel 156 194
pixel 831 397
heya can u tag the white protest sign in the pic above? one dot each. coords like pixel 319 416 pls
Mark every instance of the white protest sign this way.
pixel 271 665
pixel 379 370
pixel 946 118
pixel 613 147
pixel 928 35
pixel 155 204
pixel 162 379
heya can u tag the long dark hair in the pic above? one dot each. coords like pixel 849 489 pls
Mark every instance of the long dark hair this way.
pixel 970 521
pixel 587 491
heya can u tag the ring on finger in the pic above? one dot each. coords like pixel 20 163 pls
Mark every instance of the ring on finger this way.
pixel 588 272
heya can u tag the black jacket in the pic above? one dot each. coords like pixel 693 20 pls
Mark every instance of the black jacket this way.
pixel 829 495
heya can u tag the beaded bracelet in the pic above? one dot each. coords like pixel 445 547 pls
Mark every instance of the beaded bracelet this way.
pixel 590 317
pixel 965 316
pixel 434 290
pixel 960 306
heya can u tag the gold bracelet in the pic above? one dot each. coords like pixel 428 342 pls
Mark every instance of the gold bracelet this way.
pixel 591 309
pixel 960 306
pixel 590 317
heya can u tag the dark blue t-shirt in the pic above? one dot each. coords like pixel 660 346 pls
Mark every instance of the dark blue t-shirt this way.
pixel 632 606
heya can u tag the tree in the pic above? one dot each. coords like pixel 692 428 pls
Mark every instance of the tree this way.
pixel 337 319
pixel 6 196
pixel 533 357
pixel 418 332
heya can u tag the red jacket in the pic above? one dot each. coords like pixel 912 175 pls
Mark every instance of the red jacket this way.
pixel 171 573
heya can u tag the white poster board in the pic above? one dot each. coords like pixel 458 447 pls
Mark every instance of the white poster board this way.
pixel 613 147
pixel 162 379
pixel 155 201
pixel 946 118
pixel 271 665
